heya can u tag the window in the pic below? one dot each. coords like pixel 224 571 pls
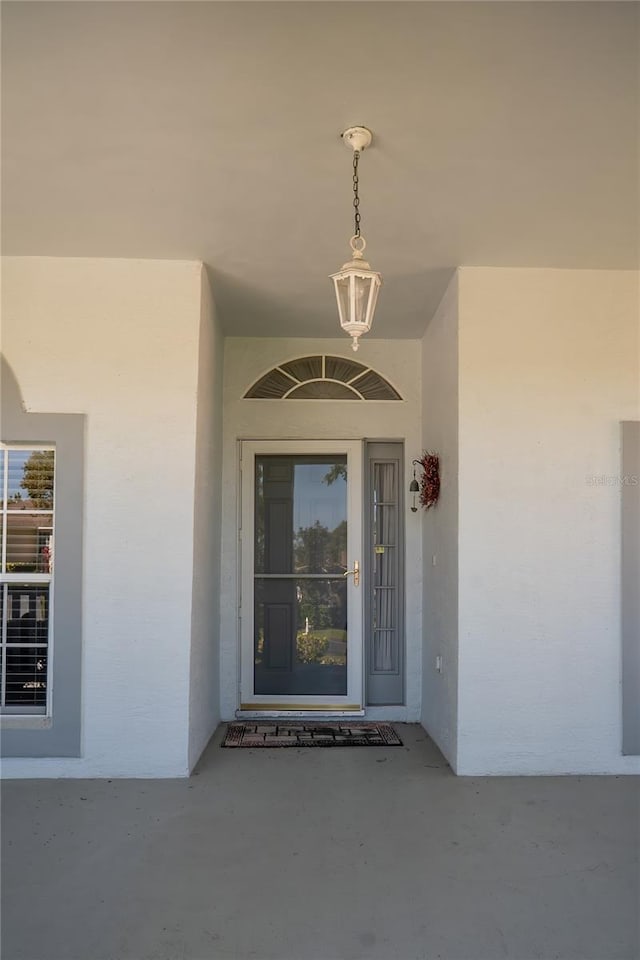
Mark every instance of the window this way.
pixel 322 378
pixel 27 477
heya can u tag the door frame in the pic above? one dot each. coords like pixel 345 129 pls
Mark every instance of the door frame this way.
pixel 353 703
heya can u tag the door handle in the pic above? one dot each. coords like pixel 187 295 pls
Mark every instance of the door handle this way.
pixel 355 573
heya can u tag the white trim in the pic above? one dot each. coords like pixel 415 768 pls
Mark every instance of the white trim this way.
pixel 285 373
pixel 27 578
pixel 38 447
pixel 303 383
pixel 290 399
pixel 32 511
pixel 355 647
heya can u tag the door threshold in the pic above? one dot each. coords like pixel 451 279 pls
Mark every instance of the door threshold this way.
pixel 318 714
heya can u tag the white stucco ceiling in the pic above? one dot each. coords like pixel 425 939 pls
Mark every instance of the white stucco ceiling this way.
pixel 506 134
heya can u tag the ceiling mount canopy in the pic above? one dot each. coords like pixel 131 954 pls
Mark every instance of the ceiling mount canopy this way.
pixel 356 284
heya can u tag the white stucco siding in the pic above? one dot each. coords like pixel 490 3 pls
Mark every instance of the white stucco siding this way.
pixel 542 369
pixel 440 526
pixel 118 341
pixel 548 369
pixel 245 361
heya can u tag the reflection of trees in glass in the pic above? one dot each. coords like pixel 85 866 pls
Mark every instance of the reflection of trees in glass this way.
pixel 327 647
pixel 37 479
pixel 259 517
pixel 322 606
pixel 320 550
pixel 338 472
pixel 317 549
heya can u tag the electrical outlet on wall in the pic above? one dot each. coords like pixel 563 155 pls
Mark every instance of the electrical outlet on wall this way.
pixel 439 663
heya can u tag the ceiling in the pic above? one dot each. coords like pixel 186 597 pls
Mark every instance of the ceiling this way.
pixel 506 134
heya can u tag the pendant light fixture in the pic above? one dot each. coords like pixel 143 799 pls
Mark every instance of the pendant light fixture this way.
pixel 356 284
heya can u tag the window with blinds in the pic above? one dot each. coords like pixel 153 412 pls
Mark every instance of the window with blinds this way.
pixel 27 491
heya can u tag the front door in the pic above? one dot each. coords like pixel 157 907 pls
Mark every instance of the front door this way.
pixel 301 608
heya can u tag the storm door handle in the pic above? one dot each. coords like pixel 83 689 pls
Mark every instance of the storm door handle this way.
pixel 355 573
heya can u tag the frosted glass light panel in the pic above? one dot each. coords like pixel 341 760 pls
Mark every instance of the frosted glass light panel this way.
pixel 356 294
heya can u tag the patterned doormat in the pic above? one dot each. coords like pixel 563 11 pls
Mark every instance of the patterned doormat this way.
pixel 261 733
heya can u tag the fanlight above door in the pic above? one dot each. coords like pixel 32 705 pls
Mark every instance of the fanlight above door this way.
pixel 322 377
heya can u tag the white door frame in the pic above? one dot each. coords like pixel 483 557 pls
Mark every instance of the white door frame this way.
pixel 353 703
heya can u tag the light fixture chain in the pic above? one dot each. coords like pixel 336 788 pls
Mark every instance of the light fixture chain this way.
pixel 356 196
pixel 356 284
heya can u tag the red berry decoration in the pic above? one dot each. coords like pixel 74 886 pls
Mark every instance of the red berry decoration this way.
pixel 430 480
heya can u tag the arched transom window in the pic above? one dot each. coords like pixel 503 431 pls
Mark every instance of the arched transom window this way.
pixel 322 378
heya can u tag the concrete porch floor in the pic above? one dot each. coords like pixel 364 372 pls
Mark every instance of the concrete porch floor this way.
pixel 311 854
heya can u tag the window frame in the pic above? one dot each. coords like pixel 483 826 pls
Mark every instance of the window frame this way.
pixel 59 735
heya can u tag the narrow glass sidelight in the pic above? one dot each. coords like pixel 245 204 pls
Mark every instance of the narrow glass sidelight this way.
pixel 384 619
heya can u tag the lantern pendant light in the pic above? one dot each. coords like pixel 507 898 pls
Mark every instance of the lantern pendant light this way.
pixel 356 284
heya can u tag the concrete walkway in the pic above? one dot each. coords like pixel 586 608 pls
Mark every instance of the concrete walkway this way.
pixel 322 855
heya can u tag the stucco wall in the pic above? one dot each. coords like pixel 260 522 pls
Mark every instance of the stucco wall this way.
pixel 118 341
pixel 440 526
pixel 204 698
pixel 245 361
pixel 548 369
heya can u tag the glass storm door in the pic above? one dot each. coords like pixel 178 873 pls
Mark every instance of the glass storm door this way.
pixel 301 609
